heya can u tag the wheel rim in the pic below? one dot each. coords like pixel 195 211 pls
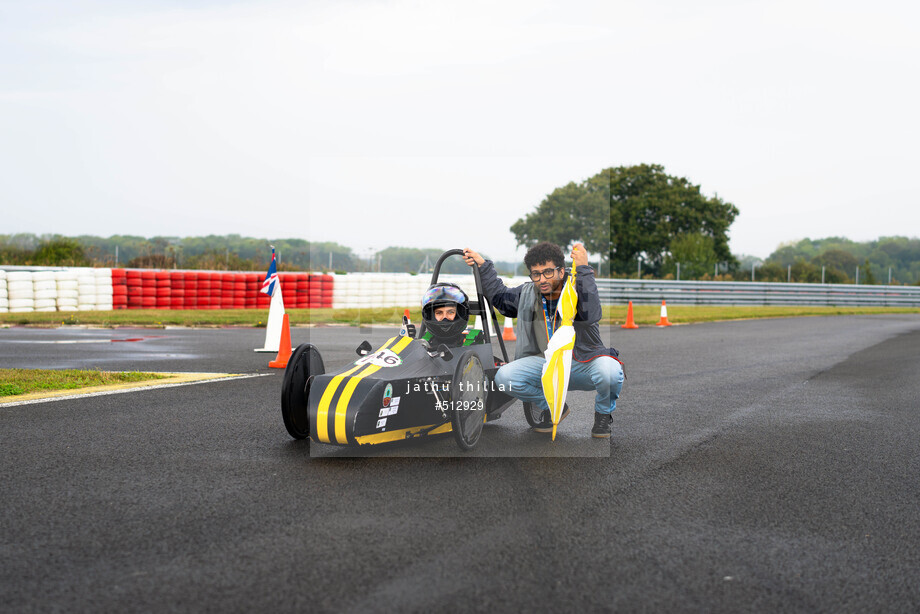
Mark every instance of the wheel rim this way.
pixel 469 392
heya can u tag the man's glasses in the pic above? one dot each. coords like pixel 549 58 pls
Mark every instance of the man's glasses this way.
pixel 547 273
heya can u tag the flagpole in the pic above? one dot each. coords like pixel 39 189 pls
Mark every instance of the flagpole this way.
pixel 558 366
pixel 272 287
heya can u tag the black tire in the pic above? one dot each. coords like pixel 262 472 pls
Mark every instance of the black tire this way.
pixel 305 362
pixel 533 414
pixel 468 400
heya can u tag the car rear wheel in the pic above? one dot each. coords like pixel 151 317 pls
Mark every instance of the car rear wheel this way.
pixel 468 400
pixel 304 363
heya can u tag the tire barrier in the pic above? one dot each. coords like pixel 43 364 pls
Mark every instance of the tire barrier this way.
pixel 20 291
pixel 370 290
pixel 73 289
pixel 44 291
pixel 4 295
pixel 67 290
pixel 321 291
pixel 84 289
pixel 104 289
pixel 119 289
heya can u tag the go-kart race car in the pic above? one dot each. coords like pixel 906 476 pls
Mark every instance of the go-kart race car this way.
pixel 404 389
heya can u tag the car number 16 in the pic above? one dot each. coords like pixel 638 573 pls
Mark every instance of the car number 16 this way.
pixel 383 358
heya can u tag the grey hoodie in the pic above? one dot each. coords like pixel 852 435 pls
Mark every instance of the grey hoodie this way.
pixel 524 303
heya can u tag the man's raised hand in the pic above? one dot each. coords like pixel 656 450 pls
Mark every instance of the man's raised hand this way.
pixel 579 255
pixel 471 257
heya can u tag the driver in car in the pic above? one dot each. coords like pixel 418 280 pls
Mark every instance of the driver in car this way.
pixel 446 313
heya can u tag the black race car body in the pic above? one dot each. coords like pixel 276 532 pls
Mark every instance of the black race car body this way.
pixel 404 389
pixel 399 391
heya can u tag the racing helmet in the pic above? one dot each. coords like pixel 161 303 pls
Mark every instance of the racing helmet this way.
pixel 445 295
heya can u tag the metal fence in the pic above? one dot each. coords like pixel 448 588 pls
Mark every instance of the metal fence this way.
pixel 619 291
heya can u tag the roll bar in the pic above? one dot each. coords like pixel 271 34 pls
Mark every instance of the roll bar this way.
pixel 477 307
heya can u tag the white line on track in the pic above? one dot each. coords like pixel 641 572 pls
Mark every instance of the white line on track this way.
pixel 56 341
pixel 69 341
pixel 103 393
pixel 72 341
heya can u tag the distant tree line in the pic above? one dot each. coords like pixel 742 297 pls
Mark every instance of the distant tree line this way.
pixel 216 253
pixel 27 249
pixel 695 253
pixel 840 259
pixel 833 260
pixel 213 252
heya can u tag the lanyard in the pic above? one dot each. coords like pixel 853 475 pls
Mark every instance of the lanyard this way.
pixel 547 316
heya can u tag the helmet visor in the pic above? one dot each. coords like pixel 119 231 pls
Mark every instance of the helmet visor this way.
pixel 443 293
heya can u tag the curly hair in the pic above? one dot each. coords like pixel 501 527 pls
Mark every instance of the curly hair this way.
pixel 544 252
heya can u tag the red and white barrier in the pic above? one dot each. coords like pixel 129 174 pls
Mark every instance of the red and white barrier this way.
pixel 72 289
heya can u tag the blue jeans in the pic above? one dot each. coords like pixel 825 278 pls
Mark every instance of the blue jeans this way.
pixel 521 379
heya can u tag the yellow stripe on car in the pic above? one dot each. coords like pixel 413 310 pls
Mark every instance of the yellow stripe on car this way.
pixel 322 412
pixel 341 407
pixel 400 434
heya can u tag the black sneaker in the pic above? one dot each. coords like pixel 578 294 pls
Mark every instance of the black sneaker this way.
pixel 546 420
pixel 601 425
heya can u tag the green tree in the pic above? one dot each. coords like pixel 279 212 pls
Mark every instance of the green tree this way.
pixel 837 262
pixel 840 256
pixel 770 271
pixel 574 212
pixel 803 271
pixel 696 254
pixel 152 261
pixel 649 208
pixel 12 251
pixel 625 213
pixel 60 251
pixel 221 260
pixel 870 277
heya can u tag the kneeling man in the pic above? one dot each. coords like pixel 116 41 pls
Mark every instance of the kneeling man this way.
pixel 594 366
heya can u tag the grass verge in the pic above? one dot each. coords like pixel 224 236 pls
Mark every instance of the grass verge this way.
pixel 616 314
pixel 14 382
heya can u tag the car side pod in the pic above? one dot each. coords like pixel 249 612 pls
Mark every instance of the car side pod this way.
pixel 305 363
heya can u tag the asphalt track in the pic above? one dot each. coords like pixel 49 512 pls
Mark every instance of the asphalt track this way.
pixel 767 465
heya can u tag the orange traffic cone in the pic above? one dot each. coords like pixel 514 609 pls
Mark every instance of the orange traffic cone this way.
pixel 284 350
pixel 508 330
pixel 664 315
pixel 630 322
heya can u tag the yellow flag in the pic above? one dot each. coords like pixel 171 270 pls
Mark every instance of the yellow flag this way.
pixel 558 354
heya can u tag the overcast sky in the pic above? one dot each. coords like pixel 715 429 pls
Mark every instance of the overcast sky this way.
pixel 389 123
